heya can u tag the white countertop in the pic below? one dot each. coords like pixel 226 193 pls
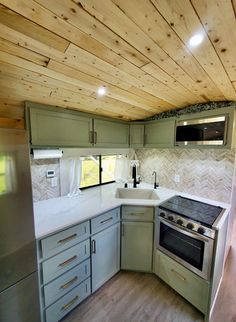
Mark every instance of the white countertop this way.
pixel 59 213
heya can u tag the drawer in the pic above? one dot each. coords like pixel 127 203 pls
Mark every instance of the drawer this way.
pixel 103 221
pixel 134 213
pixel 63 284
pixel 63 306
pixel 59 264
pixel 64 239
pixel 189 285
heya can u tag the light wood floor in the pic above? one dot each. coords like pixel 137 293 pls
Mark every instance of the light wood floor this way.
pixel 139 297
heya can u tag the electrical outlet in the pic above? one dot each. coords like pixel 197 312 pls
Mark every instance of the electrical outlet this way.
pixel 177 178
pixel 54 182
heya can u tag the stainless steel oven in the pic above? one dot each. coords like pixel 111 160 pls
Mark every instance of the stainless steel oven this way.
pixel 189 247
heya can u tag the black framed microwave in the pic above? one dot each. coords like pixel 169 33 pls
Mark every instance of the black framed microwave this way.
pixel 202 131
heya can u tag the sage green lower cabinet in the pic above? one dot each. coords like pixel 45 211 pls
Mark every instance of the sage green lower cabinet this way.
pixel 111 134
pixel 64 271
pixel 192 287
pixel 137 238
pixel 64 305
pixel 105 255
pixel 160 133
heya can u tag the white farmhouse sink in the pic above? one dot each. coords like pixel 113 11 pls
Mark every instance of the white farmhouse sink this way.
pixel 136 193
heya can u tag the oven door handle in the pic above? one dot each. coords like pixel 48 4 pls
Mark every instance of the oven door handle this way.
pixel 183 230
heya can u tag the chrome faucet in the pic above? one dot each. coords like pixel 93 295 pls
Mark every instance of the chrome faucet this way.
pixel 155 180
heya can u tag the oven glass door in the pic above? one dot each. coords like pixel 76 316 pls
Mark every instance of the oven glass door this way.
pixel 189 249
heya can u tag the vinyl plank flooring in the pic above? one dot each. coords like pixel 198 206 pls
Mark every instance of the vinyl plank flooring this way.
pixel 135 297
pixel 140 297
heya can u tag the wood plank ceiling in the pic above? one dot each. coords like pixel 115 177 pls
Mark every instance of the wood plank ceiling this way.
pixel 60 52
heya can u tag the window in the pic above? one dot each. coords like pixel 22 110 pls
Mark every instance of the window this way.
pixel 3 187
pixel 97 170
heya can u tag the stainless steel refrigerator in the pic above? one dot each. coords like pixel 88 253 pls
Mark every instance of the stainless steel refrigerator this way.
pixel 19 299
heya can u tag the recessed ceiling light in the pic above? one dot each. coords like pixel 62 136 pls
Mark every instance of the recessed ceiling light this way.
pixel 101 90
pixel 195 40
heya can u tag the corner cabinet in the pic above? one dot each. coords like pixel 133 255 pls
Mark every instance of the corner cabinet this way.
pixel 137 238
pixel 136 135
pixel 160 134
pixel 110 134
pixel 54 127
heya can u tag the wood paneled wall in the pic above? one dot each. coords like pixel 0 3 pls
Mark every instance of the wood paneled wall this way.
pixel 60 52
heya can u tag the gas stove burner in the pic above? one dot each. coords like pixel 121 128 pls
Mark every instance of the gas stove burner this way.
pixel 198 211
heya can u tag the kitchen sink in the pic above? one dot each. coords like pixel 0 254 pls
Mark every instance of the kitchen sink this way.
pixel 136 193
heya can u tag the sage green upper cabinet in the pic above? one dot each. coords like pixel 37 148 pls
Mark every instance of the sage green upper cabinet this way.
pixel 136 135
pixel 160 133
pixel 55 128
pixel 111 134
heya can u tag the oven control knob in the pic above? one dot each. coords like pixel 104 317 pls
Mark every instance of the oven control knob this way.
pixel 162 214
pixel 201 230
pixel 190 226
pixel 180 222
pixel 171 218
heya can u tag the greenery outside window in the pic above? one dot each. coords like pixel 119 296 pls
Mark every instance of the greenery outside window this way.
pixel 97 170
pixel 3 187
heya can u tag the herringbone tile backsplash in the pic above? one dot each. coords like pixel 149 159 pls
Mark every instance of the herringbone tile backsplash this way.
pixel 207 172
pixel 41 185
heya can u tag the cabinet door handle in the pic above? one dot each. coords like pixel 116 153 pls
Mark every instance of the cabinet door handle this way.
pixel 67 239
pixel 123 229
pixel 66 306
pixel 69 283
pixel 178 275
pixel 91 137
pixel 68 261
pixel 106 220
pixel 93 246
pixel 95 137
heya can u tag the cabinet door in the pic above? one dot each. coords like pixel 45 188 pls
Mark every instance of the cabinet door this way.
pixel 136 135
pixel 191 286
pixel 105 255
pixel 137 246
pixel 111 134
pixel 59 129
pixel 160 134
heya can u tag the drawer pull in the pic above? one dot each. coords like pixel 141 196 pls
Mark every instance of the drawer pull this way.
pixel 66 285
pixel 68 261
pixel 67 239
pixel 66 306
pixel 137 213
pixel 178 275
pixel 105 221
